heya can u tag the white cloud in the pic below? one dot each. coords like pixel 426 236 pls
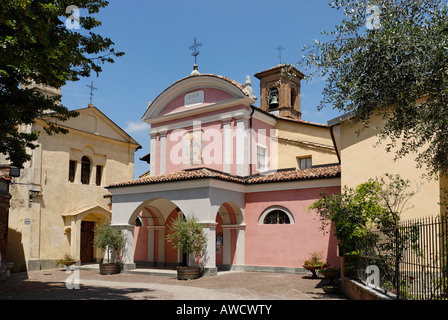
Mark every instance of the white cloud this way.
pixel 136 126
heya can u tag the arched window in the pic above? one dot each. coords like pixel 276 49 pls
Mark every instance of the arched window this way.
pixel 276 215
pixel 85 170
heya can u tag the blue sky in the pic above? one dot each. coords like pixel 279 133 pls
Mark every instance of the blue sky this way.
pixel 238 38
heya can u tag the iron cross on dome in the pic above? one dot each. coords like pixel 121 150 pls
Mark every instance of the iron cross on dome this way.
pixel 195 47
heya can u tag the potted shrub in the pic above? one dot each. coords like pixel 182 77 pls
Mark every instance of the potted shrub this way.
pixel 187 235
pixel 314 263
pixel 111 240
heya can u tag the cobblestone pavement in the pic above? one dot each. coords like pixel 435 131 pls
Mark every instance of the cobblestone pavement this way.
pixel 51 285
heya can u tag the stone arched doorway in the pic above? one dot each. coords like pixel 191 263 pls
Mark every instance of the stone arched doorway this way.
pixel 79 228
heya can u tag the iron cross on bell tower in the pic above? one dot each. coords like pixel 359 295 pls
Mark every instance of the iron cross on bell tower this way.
pixel 280 49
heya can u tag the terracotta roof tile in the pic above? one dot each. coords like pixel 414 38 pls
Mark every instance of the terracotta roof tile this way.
pixel 180 176
pixel 330 171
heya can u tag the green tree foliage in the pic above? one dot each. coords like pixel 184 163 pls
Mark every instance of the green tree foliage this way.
pixel 377 203
pixel 108 238
pixel 396 68
pixel 36 45
pixel 187 235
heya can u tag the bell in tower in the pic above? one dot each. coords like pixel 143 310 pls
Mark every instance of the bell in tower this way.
pixel 280 90
pixel 273 98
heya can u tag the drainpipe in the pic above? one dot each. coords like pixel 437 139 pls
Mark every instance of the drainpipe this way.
pixel 334 143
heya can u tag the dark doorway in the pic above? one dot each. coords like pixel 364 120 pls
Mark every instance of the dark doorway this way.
pixel 87 233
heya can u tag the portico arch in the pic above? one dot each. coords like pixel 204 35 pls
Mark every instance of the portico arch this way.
pixel 150 244
pixel 229 236
pixel 156 209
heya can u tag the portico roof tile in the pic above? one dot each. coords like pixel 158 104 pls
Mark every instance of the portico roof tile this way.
pixel 320 172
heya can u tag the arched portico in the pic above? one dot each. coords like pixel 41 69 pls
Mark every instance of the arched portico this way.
pixel 155 209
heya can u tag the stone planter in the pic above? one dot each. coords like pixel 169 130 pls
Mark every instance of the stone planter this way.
pixel 330 289
pixel 313 270
pixel 188 273
pixel 109 268
pixel 69 263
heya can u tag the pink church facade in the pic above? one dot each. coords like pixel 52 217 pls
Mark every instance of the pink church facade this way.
pixel 215 155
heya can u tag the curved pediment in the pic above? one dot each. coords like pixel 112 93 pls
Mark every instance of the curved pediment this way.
pixel 194 92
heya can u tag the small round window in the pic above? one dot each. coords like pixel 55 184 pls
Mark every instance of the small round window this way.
pixel 277 217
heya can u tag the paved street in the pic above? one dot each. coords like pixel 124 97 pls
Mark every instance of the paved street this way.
pixel 51 285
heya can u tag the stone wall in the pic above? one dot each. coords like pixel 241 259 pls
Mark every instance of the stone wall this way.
pixel 355 290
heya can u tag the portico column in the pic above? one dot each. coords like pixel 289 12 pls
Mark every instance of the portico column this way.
pixel 161 245
pixel 209 254
pixel 127 254
pixel 151 243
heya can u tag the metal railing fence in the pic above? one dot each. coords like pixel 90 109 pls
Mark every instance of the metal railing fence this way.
pixel 409 261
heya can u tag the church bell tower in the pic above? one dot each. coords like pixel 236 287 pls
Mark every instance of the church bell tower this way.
pixel 280 91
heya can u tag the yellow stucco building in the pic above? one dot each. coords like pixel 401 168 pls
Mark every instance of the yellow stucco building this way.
pixel 362 158
pixel 302 144
pixel 70 172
